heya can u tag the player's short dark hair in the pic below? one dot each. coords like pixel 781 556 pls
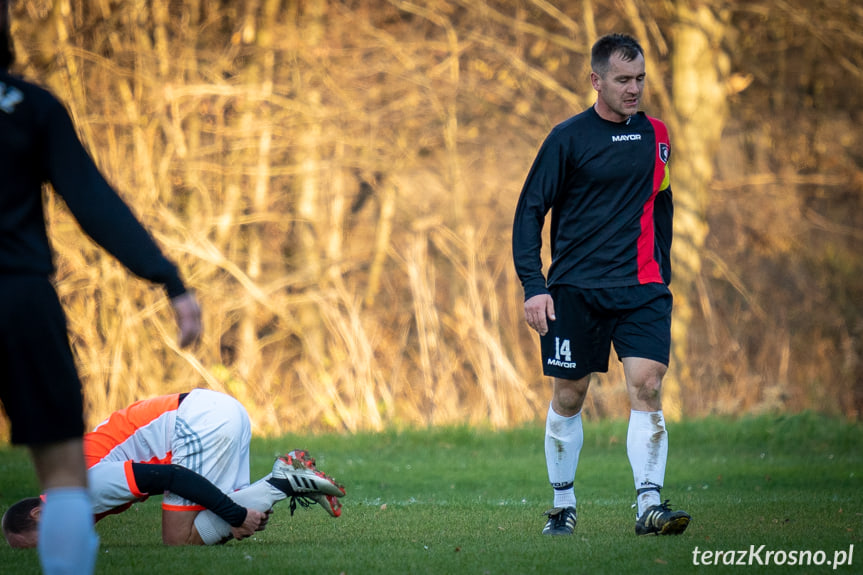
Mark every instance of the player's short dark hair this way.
pixel 610 44
pixel 18 518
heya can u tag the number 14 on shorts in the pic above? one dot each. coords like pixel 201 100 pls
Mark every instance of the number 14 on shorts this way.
pixel 562 350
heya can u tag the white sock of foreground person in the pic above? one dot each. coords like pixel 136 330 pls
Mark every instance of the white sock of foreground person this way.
pixel 564 438
pixel 647 448
pixel 260 496
pixel 67 540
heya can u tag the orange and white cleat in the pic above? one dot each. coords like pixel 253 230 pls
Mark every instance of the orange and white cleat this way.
pixel 295 473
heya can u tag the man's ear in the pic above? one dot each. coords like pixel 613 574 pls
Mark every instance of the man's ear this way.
pixel 36 513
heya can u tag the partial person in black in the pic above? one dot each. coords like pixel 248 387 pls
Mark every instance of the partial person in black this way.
pixel 604 176
pixel 39 386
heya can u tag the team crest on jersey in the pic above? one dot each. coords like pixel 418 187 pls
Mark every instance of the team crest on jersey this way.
pixel 664 152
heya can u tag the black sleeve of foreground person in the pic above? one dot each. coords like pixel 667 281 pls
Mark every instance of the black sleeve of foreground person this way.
pixel 153 479
pixel 96 206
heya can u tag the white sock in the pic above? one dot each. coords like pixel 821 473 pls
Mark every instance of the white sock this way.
pixel 564 438
pixel 67 541
pixel 259 496
pixel 647 448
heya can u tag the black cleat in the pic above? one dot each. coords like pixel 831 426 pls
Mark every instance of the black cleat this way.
pixel 661 520
pixel 561 521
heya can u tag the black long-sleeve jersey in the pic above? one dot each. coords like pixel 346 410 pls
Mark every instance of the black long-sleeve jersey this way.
pixel 38 144
pixel 607 186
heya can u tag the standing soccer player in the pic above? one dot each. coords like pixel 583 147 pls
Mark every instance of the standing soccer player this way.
pixel 604 175
pixel 39 385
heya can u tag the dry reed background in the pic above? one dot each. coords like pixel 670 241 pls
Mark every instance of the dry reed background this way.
pixel 336 182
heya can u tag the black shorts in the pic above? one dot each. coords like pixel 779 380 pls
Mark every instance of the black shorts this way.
pixel 636 319
pixel 39 385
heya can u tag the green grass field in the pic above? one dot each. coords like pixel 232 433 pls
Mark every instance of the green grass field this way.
pixel 451 501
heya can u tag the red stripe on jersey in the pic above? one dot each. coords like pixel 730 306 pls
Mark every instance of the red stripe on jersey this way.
pixel 122 424
pixel 648 267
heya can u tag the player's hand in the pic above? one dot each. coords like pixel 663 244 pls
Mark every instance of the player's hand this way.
pixel 538 310
pixel 266 519
pixel 188 315
pixel 249 526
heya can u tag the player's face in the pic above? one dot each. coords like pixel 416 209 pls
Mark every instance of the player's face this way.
pixel 23 540
pixel 619 90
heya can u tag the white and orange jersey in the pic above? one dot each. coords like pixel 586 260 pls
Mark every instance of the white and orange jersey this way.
pixel 141 432
pixel 205 431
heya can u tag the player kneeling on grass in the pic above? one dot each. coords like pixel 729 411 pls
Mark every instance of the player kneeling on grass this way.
pixel 194 448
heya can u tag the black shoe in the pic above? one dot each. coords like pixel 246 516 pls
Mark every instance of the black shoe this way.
pixel 561 521
pixel 660 519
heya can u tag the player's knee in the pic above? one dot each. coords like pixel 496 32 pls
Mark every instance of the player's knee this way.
pixel 569 397
pixel 175 538
pixel 649 392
